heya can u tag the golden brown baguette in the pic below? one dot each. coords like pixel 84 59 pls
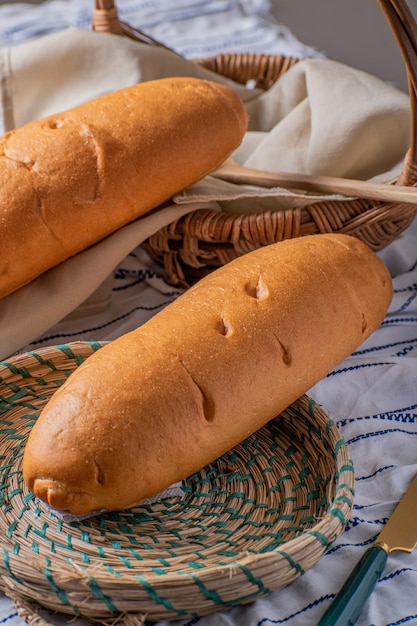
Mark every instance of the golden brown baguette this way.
pixel 69 180
pixel 228 355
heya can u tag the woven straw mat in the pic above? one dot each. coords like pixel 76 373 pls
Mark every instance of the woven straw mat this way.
pixel 248 524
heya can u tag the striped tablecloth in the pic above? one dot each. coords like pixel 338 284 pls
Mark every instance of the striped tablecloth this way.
pixel 372 396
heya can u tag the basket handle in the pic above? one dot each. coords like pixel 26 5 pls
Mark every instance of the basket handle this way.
pixel 404 28
pixel 106 20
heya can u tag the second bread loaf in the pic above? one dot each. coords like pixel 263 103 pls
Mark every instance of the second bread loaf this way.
pixel 228 355
pixel 69 180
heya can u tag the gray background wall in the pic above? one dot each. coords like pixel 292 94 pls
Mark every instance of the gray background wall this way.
pixel 351 31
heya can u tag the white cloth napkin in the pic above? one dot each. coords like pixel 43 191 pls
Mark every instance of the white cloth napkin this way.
pixel 321 117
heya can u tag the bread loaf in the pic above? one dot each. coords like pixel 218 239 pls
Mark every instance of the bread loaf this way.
pixel 69 180
pixel 227 356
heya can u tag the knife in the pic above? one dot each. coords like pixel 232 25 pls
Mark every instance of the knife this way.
pixel 400 533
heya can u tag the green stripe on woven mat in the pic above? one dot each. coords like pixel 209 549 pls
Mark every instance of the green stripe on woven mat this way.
pixel 20 371
pixel 11 435
pixel 312 495
pixel 321 538
pixel 98 593
pixel 291 561
pixel 65 349
pixel 78 358
pixel 338 445
pixel 344 468
pixel 61 593
pixel 344 487
pixel 254 580
pixel 336 512
pixel 209 594
pixel 344 499
pixel 19 393
pixel 6 562
pixel 154 595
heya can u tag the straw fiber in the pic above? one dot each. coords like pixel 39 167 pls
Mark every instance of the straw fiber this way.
pixel 248 524
pixel 194 245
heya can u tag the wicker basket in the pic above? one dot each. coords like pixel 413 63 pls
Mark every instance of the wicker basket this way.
pixel 248 524
pixel 199 242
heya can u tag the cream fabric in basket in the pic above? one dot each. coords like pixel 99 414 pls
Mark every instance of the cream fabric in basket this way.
pixel 321 117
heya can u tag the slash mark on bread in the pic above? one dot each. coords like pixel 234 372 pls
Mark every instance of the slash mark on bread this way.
pixel 285 352
pixel 364 323
pixel 224 327
pixel 97 151
pixel 53 124
pixel 99 474
pixel 207 403
pixel 258 290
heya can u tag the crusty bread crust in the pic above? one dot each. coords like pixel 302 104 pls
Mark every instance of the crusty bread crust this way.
pixel 227 356
pixel 69 180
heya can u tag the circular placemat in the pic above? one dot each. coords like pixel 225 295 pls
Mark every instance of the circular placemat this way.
pixel 248 524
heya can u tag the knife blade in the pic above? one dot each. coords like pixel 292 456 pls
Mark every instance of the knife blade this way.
pixel 399 533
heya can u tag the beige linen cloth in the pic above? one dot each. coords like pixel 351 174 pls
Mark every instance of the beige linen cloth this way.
pixel 320 117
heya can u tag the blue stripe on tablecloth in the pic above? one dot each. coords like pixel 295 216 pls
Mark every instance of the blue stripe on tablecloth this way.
pixel 378 348
pixel 380 433
pixel 82 332
pixel 358 366
pixel 403 415
pixel 268 620
pixel 378 471
pixel 7 618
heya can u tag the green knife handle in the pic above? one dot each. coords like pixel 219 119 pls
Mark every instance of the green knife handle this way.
pixel 350 600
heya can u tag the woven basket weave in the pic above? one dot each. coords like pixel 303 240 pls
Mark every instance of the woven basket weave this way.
pixel 248 524
pixel 199 242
